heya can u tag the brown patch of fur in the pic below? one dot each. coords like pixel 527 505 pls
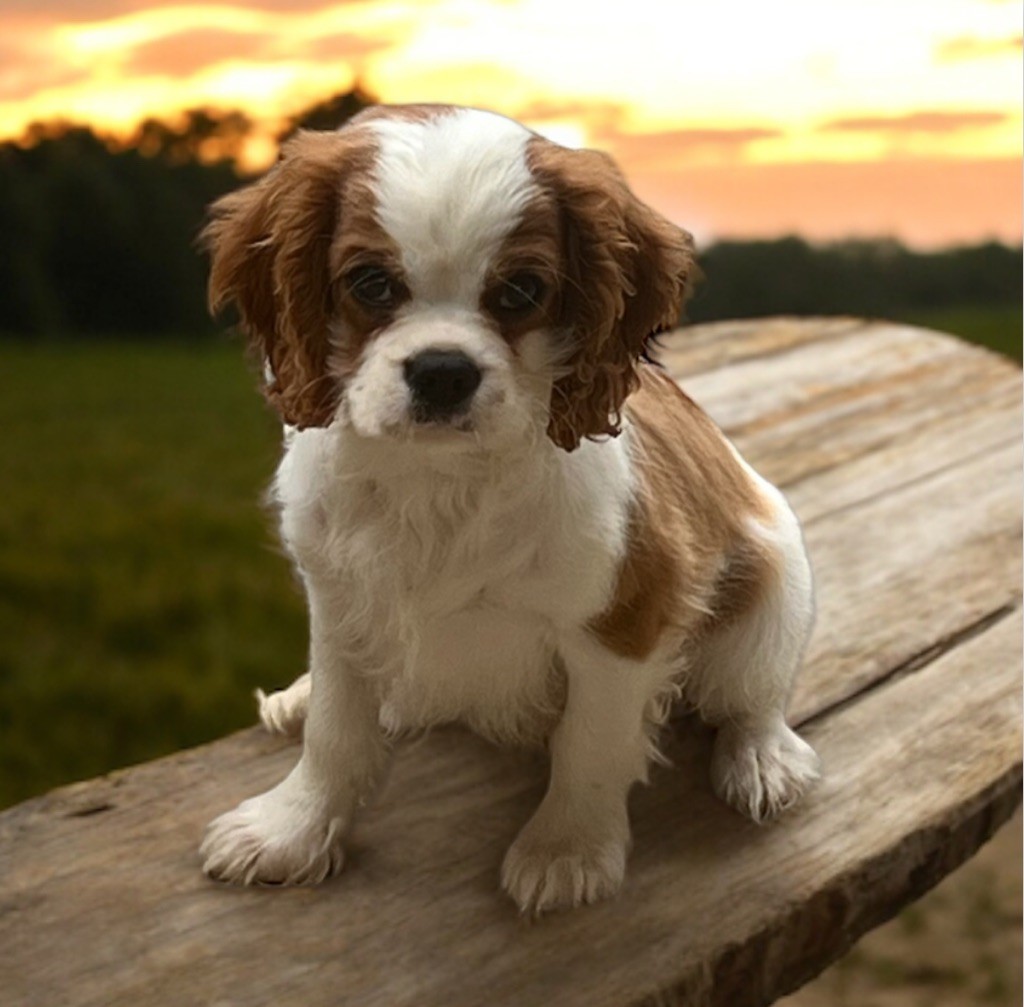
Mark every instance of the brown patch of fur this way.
pixel 690 565
pixel 534 246
pixel 740 583
pixel 648 580
pixel 624 278
pixel 278 251
pixel 360 242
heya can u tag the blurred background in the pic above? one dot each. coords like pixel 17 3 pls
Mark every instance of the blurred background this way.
pixel 852 157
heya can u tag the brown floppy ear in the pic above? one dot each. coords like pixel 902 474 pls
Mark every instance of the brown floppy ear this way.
pixel 627 269
pixel 270 246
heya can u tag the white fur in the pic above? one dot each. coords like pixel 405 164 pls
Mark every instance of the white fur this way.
pixel 451 575
pixel 453 185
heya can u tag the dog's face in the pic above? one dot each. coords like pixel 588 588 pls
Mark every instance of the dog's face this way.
pixel 444 276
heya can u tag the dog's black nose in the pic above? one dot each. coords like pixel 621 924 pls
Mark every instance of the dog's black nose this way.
pixel 442 382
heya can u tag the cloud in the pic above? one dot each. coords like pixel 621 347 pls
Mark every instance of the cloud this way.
pixel 466 80
pixel 21 82
pixel 187 52
pixel 933 122
pixel 966 47
pixel 25 70
pixel 346 46
pixel 608 126
pixel 671 146
pixel 77 11
pixel 593 113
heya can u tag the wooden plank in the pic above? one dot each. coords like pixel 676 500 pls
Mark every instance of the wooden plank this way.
pixel 764 390
pixel 863 461
pixel 914 534
pixel 902 571
pixel 869 417
pixel 694 349
pixel 109 908
pixel 948 407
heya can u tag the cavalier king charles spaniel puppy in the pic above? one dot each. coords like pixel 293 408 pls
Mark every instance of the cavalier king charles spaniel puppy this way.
pixel 503 513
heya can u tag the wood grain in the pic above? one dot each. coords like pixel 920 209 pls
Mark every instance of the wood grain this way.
pixel 901 450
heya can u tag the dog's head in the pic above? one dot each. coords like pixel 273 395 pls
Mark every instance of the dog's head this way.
pixel 446 276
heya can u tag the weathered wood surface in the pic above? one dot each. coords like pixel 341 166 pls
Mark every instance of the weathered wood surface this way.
pixel 901 450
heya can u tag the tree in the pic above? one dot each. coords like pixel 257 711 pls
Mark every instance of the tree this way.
pixel 98 235
pixel 329 114
pixel 203 134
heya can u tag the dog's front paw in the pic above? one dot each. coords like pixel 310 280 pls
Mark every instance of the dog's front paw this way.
pixel 273 839
pixel 284 712
pixel 546 870
pixel 762 772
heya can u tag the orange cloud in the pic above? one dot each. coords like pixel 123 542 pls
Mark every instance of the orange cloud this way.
pixel 916 122
pixel 597 114
pixel 79 11
pixel 675 145
pixel 188 52
pixel 608 125
pixel 967 47
pixel 22 74
pixel 345 46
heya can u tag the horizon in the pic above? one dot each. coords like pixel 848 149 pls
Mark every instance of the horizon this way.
pixel 867 120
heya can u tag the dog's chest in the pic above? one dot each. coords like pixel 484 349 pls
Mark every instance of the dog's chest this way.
pixel 470 600
pixel 449 599
pixel 491 667
pixel 454 595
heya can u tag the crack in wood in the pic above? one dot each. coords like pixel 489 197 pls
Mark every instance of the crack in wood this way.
pixel 90 810
pixel 899 487
pixel 917 661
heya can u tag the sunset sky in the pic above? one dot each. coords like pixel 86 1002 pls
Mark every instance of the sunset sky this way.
pixel 828 118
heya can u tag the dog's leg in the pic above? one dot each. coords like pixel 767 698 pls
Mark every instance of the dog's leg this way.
pixel 573 850
pixel 292 834
pixel 284 712
pixel 741 681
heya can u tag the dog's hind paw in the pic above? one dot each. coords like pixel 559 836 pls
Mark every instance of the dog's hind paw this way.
pixel 761 773
pixel 284 712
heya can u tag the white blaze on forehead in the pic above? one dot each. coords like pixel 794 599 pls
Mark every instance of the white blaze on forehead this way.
pixel 449 190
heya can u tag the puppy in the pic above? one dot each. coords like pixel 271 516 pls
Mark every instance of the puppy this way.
pixel 502 513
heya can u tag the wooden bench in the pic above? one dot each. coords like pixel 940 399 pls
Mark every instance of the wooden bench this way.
pixel 901 452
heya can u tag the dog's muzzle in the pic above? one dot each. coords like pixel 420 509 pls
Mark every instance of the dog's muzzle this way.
pixel 442 383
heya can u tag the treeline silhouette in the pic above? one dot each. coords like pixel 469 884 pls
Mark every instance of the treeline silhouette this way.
pixel 98 237
pixel 746 279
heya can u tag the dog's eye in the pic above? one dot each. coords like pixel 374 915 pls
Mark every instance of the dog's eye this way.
pixel 520 293
pixel 373 287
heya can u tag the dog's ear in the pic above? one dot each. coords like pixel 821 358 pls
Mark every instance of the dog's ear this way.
pixel 627 270
pixel 270 246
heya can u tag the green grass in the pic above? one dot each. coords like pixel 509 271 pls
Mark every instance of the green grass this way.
pixel 142 592
pixel 142 595
pixel 999 328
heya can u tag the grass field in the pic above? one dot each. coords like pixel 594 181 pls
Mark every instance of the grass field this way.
pixel 1000 329
pixel 141 594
